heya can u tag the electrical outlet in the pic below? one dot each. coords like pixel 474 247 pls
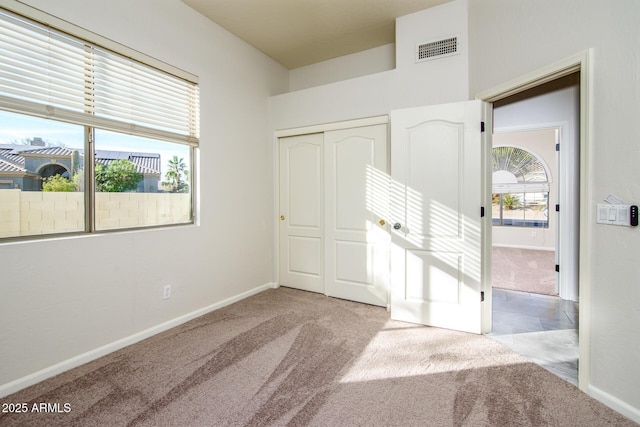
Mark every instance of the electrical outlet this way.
pixel 166 292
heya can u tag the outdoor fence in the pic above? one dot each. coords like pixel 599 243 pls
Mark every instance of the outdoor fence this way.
pixel 26 213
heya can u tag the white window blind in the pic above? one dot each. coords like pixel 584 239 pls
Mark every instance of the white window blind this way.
pixel 40 66
pixel 540 187
pixel 47 73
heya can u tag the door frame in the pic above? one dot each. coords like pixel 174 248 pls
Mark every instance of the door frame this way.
pixel 305 130
pixel 583 63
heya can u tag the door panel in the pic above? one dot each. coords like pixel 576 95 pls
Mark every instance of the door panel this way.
pixel 304 183
pixel 305 254
pixel 356 256
pixel 438 158
pixel 352 262
pixel 301 226
pixel 433 175
pixel 432 277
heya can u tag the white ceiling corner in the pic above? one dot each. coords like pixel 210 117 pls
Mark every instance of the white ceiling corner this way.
pixel 296 33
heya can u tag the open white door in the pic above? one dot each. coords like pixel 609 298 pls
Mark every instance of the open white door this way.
pixel 439 256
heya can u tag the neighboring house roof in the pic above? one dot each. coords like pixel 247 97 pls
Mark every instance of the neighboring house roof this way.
pixel 12 157
pixel 47 151
pixel 10 160
pixel 9 167
pixel 146 163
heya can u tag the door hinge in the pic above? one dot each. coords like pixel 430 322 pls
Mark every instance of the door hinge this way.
pixel 482 212
pixel 557 147
pixel 557 208
pixel 558 268
pixel 481 126
pixel 481 296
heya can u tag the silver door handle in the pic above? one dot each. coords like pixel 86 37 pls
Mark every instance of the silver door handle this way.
pixel 397 226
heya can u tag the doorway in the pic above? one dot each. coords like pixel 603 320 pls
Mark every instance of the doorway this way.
pixel 536 228
pixel 525 223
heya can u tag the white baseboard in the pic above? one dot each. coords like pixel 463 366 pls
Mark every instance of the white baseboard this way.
pixel 614 403
pixel 535 248
pixel 36 377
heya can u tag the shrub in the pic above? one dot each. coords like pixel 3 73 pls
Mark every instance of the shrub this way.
pixel 58 183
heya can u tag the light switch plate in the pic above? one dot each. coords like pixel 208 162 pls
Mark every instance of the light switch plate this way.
pixel 613 214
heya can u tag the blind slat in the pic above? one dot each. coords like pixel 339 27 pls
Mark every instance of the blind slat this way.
pixel 68 116
pixel 67 76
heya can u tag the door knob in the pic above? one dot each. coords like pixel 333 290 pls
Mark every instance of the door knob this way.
pixel 382 222
pixel 281 217
pixel 397 226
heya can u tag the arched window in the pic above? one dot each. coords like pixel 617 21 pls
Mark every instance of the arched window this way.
pixel 521 182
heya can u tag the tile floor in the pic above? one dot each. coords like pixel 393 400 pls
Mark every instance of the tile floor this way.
pixel 539 327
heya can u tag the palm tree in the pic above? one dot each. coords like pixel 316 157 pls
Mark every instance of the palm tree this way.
pixel 176 169
pixel 511 201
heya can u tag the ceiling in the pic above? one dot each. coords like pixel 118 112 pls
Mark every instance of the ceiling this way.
pixel 301 32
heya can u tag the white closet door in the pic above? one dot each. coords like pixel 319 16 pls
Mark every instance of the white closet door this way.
pixel 301 210
pixel 356 200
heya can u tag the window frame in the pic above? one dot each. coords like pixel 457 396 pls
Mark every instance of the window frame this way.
pixel 522 188
pixel 23 107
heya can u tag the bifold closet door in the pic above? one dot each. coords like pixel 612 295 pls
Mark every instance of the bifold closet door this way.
pixel 356 199
pixel 301 210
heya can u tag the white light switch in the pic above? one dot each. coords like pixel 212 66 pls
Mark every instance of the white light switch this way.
pixel 613 214
pixel 623 216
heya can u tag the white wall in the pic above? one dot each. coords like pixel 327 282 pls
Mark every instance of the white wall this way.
pixel 509 39
pixel 408 85
pixel 371 61
pixel 64 297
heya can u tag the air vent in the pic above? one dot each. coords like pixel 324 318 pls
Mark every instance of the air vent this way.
pixel 436 49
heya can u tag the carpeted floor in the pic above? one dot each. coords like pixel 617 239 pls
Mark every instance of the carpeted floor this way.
pixel 524 270
pixel 287 357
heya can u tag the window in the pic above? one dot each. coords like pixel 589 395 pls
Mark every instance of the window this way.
pixel 520 188
pixel 65 100
pixel 158 194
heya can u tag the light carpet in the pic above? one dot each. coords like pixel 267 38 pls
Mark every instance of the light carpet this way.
pixel 287 357
pixel 524 270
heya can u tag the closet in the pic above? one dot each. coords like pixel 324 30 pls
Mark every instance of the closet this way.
pixel 333 202
pixel 393 221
